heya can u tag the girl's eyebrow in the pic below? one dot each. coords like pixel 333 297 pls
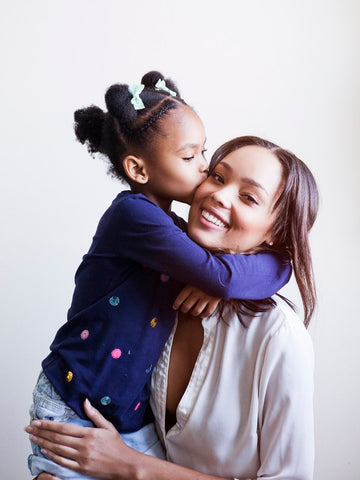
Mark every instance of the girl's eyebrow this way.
pixel 249 181
pixel 191 145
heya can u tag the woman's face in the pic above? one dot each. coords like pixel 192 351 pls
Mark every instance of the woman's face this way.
pixel 233 209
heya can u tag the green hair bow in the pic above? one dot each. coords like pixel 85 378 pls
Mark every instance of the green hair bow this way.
pixel 135 91
pixel 161 85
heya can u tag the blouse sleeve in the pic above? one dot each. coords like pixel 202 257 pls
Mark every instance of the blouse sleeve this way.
pixel 286 406
pixel 147 235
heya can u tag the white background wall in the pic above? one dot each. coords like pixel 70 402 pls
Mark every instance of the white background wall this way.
pixel 286 70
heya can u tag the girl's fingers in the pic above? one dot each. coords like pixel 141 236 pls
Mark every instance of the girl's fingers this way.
pixel 182 296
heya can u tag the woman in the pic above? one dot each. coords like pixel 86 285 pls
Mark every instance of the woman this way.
pixel 234 397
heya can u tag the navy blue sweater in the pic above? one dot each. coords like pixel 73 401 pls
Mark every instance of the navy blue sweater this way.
pixel 121 313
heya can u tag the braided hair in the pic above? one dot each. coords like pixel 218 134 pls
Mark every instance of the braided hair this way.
pixel 123 130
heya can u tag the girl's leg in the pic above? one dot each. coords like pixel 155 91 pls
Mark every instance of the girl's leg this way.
pixel 48 405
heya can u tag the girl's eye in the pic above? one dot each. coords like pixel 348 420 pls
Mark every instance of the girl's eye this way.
pixel 188 159
pixel 203 152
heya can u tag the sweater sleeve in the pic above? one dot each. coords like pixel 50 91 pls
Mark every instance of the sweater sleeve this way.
pixel 286 406
pixel 144 233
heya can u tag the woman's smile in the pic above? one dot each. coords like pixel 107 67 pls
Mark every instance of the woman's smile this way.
pixel 211 219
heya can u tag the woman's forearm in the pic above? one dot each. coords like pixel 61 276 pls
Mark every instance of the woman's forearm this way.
pixel 146 467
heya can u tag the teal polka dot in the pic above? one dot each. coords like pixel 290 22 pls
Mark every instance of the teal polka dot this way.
pixel 114 301
pixel 105 400
pixel 148 370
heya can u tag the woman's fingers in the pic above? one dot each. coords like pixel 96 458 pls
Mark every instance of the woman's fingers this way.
pixel 59 459
pixel 55 447
pixel 46 476
pixel 45 426
pixel 96 417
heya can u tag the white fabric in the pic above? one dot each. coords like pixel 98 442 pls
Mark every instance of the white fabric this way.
pixel 248 409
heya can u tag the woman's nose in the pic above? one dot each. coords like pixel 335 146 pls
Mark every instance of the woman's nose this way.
pixel 222 197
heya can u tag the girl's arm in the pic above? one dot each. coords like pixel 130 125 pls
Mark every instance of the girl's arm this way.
pixel 101 453
pixel 149 236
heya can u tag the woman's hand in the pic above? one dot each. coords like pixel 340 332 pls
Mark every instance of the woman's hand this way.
pixel 46 476
pixel 97 452
pixel 195 302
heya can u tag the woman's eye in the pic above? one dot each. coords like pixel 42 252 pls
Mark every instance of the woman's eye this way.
pixel 217 177
pixel 188 159
pixel 203 152
pixel 249 198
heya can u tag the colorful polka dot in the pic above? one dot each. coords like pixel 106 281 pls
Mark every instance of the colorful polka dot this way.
pixel 154 322
pixel 114 301
pixel 164 278
pixel 116 353
pixel 69 376
pixel 148 370
pixel 105 400
pixel 137 406
pixel 84 334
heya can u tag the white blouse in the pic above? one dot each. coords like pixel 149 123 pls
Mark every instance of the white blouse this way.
pixel 247 412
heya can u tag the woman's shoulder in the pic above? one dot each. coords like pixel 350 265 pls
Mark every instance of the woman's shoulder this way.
pixel 279 327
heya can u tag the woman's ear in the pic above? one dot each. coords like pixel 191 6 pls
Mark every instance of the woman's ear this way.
pixel 135 169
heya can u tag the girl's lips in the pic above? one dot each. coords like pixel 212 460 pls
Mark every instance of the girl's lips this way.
pixel 208 217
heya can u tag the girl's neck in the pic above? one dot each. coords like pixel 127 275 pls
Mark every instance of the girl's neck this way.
pixel 163 203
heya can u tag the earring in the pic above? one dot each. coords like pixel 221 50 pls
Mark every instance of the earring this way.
pixel 271 244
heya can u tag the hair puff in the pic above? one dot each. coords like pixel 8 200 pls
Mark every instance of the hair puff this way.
pixel 88 127
pixel 118 103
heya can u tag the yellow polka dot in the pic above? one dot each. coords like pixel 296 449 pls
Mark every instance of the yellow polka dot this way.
pixel 69 376
pixel 153 322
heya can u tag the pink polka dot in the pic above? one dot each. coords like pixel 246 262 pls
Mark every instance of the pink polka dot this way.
pixel 116 353
pixel 164 278
pixel 137 406
pixel 84 334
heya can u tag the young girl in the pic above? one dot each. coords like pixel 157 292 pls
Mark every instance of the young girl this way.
pixel 121 313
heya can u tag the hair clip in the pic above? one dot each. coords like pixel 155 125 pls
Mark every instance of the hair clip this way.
pixel 135 91
pixel 161 85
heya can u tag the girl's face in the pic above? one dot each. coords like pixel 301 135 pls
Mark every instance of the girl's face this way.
pixel 233 209
pixel 176 163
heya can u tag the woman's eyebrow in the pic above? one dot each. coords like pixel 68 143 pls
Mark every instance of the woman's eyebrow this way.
pixel 249 181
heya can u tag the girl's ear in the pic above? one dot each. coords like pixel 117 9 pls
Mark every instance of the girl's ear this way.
pixel 135 169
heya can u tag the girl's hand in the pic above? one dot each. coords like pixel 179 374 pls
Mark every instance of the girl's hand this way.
pixel 97 452
pixel 195 302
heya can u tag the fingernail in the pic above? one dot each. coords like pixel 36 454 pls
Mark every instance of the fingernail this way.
pixel 33 438
pixel 37 423
pixel 88 404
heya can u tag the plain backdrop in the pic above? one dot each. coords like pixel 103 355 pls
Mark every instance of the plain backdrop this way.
pixel 285 70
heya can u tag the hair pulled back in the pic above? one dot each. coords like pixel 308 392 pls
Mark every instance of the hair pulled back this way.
pixel 123 130
pixel 295 213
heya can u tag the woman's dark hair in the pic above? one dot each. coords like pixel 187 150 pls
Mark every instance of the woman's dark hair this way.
pixel 295 213
pixel 123 130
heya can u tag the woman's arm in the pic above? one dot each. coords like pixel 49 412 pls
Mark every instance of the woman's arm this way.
pixel 149 236
pixel 101 453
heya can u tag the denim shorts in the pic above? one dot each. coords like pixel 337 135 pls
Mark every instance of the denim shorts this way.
pixel 48 405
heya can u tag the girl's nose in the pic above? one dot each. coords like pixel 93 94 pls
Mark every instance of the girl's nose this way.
pixel 204 166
